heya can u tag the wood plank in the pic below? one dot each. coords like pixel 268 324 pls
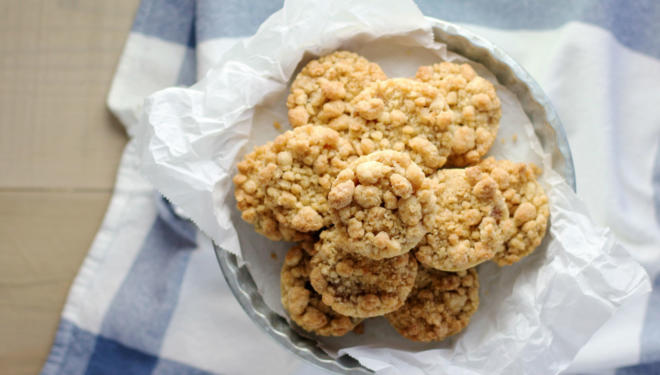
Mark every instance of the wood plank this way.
pixel 59 149
pixel 57 59
pixel 45 236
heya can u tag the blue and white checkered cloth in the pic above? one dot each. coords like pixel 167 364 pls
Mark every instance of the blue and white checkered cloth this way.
pixel 149 297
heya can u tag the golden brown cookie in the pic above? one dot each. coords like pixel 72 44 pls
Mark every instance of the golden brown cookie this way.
pixel 472 222
pixel 403 115
pixel 304 304
pixel 475 105
pixel 527 204
pixel 383 203
pixel 440 305
pixel 282 187
pixel 357 286
pixel 324 88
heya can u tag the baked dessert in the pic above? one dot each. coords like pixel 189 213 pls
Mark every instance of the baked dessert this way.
pixel 404 115
pixel 282 187
pixel 357 286
pixel 440 305
pixel 303 304
pixel 475 106
pixel 324 88
pixel 383 203
pixel 472 222
pixel 382 184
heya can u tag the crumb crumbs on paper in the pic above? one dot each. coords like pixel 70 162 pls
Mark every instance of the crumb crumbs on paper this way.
pixel 277 125
pixel 514 138
pixel 273 255
pixel 503 141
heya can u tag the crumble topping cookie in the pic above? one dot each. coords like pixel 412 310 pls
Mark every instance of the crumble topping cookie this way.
pixel 304 304
pixel 358 184
pixel 440 305
pixel 472 222
pixel 527 203
pixel 324 87
pixel 406 115
pixel 383 203
pixel 475 105
pixel 281 187
pixel 357 286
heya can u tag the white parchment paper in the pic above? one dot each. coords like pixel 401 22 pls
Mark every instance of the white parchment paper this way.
pixel 534 315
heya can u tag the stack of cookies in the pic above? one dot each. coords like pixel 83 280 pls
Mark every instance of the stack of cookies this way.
pixel 383 185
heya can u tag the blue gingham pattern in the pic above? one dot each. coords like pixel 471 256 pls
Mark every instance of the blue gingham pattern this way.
pixel 149 298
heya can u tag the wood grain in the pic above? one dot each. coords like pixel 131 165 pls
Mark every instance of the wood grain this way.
pixel 59 151
pixel 57 59
pixel 45 237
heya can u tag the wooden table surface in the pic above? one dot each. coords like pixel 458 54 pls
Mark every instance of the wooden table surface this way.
pixel 59 150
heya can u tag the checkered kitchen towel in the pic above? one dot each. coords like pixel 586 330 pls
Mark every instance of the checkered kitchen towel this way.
pixel 150 299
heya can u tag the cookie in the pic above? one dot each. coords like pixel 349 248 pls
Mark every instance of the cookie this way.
pixel 440 305
pixel 403 115
pixel 357 286
pixel 303 304
pixel 471 224
pixel 383 203
pixel 281 188
pixel 475 106
pixel 324 88
pixel 527 203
